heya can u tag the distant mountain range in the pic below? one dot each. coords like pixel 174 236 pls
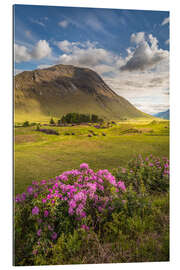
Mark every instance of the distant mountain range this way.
pixel 164 115
pixel 61 89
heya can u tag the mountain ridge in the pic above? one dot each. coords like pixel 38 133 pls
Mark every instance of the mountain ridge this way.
pixel 60 89
pixel 163 115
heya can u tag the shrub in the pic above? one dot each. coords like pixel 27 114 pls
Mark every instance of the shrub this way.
pixel 153 172
pixel 77 199
pixel 83 216
pixel 51 122
pixel 47 131
pixel 26 124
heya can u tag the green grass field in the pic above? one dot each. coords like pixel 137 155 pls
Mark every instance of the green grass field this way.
pixel 40 156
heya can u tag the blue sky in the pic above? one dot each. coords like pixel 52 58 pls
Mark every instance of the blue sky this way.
pixel 128 48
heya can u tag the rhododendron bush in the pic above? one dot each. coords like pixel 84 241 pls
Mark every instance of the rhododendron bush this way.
pixel 56 217
pixel 75 199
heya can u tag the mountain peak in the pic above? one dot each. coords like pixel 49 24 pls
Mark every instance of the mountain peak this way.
pixel 60 89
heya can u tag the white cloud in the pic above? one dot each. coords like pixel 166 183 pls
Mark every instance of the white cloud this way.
pixel 21 53
pixel 43 66
pixel 85 54
pixel 146 88
pixel 64 46
pixel 146 55
pixel 167 42
pixel 137 37
pixel 63 23
pixel 17 71
pixel 165 21
pixel 39 51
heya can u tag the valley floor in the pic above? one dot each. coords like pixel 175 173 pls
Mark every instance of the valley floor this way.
pixel 40 156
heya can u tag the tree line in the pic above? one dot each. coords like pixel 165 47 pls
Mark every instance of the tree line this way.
pixel 78 118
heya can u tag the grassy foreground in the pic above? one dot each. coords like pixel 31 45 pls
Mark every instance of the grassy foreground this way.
pixel 41 156
pixel 84 216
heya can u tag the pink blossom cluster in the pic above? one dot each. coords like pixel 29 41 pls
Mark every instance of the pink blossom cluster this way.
pixel 82 190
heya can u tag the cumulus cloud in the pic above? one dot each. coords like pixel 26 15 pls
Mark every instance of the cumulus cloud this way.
pixel 39 51
pixel 63 23
pixel 21 53
pixel 165 21
pixel 86 54
pixel 138 37
pixel 146 54
pixel 64 46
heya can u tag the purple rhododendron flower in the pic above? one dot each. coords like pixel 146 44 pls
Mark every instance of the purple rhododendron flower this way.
pixel 84 166
pixel 18 198
pixel 46 213
pixel 35 210
pixel 23 196
pixel 35 252
pixel 30 190
pixel 44 200
pixel 39 232
pixel 54 236
pixel 121 185
pixel 85 227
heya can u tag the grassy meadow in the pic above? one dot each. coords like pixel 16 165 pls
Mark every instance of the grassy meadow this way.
pixel 40 156
pixel 129 223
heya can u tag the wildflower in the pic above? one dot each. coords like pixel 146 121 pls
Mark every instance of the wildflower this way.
pixel 71 211
pixel 18 198
pixel 35 252
pixel 23 196
pixel 39 232
pixel 121 185
pixel 85 227
pixel 46 213
pixel 35 210
pixel 50 228
pixel 54 236
pixel 35 195
pixel 72 204
pixel 43 182
pixel 84 166
pixel 44 200
pixel 30 190
pixel 151 165
pixel 35 183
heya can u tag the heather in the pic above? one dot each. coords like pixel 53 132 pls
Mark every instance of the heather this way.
pixel 95 216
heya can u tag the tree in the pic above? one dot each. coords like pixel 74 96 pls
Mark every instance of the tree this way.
pixel 26 124
pixel 51 121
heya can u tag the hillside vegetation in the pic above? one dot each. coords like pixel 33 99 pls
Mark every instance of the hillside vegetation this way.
pixel 62 89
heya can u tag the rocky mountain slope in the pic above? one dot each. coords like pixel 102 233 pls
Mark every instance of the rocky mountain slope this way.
pixel 61 89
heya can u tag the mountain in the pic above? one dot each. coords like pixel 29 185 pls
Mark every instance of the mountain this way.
pixel 164 115
pixel 60 89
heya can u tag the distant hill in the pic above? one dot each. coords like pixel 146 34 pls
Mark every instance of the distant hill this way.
pixel 164 115
pixel 61 89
